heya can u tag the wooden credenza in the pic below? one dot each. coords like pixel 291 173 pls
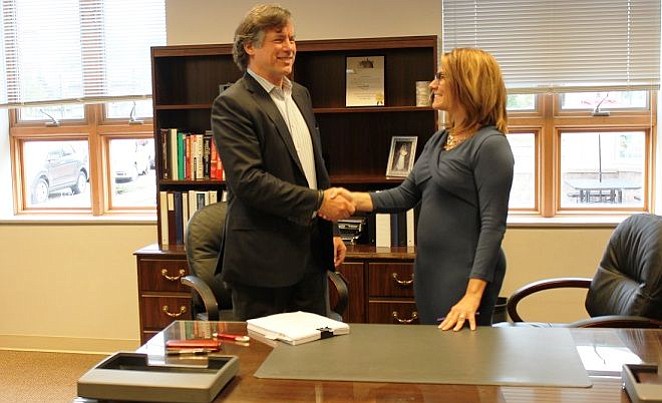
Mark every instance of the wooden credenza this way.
pixel 162 298
pixel 380 282
pixel 381 288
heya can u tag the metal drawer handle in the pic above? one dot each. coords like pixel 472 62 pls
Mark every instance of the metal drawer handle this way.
pixel 182 310
pixel 414 316
pixel 402 282
pixel 164 273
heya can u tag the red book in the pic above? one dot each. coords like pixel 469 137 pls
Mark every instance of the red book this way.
pixel 213 161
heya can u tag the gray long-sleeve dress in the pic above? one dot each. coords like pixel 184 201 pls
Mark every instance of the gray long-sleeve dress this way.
pixel 464 196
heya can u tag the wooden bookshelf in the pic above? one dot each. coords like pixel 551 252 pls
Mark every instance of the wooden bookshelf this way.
pixel 356 140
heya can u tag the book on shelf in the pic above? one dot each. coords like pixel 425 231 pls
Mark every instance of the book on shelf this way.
pixel 190 156
pixel 181 154
pixel 206 156
pixel 411 227
pixel 382 230
pixel 163 215
pixel 198 157
pixel 165 154
pixel 172 226
pixel 215 164
pixel 173 154
pixel 177 207
pixel 185 213
pixel 296 327
pixel 395 229
pixel 179 222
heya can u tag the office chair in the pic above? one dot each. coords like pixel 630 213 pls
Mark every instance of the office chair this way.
pixel 211 297
pixel 626 290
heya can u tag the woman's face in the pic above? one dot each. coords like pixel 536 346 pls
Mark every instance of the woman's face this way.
pixel 439 91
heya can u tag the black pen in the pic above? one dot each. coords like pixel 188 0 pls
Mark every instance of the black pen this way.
pixel 443 318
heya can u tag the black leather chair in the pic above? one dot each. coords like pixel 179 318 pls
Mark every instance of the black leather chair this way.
pixel 211 297
pixel 626 290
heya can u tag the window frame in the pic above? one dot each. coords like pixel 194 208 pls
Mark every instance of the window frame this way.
pixel 94 129
pixel 547 123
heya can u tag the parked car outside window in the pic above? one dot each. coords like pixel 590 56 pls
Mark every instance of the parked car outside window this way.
pixel 131 158
pixel 62 167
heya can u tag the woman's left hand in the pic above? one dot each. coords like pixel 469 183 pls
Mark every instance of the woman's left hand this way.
pixel 461 313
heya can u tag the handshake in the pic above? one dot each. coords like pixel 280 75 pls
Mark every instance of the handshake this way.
pixel 338 203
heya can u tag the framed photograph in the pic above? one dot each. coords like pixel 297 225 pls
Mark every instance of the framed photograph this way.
pixel 401 157
pixel 365 81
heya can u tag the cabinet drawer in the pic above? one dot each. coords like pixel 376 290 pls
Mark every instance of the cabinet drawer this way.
pixel 158 311
pixel 162 275
pixel 391 279
pixel 394 312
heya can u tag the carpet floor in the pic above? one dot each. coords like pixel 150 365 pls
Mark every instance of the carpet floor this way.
pixel 30 377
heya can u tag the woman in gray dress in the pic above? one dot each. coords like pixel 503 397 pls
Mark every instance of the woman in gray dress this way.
pixel 462 180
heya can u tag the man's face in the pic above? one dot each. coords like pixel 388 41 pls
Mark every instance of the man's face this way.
pixel 275 58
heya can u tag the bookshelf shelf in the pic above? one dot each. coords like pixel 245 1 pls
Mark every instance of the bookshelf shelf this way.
pixel 187 183
pixel 372 109
pixel 182 106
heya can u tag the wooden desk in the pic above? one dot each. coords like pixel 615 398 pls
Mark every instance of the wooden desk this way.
pixel 245 388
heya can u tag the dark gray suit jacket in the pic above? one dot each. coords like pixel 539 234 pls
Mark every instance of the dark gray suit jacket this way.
pixel 269 233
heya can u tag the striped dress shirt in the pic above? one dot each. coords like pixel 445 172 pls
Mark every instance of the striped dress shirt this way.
pixel 301 138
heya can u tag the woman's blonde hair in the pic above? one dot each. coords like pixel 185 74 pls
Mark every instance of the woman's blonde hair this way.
pixel 475 82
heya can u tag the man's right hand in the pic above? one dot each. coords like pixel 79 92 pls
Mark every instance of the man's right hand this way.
pixel 337 204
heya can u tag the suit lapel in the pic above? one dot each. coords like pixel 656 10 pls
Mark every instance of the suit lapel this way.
pixel 265 102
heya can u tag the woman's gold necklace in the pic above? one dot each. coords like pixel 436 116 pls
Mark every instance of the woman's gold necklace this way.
pixel 454 141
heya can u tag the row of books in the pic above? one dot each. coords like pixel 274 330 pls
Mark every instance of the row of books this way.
pixel 177 207
pixel 190 156
pixel 395 229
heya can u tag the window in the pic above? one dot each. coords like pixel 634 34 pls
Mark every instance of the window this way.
pixel 79 93
pixel 571 159
pixel 54 170
pixel 582 78
pixel 522 194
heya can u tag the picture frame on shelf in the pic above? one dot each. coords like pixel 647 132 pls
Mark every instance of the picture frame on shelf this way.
pixel 364 81
pixel 401 157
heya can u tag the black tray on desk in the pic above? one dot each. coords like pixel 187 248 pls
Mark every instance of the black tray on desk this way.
pixel 128 376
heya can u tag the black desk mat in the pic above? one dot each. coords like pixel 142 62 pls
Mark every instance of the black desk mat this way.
pixel 425 354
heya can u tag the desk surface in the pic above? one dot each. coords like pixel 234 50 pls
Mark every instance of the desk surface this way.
pixel 245 388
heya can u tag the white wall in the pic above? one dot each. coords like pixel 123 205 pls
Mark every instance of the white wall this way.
pixel 214 21
pixel 73 287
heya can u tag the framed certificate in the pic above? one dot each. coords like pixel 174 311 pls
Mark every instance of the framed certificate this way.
pixel 401 157
pixel 365 81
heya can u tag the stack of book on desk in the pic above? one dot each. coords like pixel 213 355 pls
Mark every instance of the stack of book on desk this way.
pixel 296 327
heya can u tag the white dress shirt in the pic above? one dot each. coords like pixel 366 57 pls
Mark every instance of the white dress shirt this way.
pixel 301 137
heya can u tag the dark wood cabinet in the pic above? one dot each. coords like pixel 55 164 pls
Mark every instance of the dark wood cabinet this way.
pixel 162 298
pixel 356 144
pixel 379 280
pixel 383 292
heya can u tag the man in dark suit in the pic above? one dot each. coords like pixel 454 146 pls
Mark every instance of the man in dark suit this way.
pixel 276 249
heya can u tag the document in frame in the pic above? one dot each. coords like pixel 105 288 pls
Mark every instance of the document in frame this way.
pixel 365 81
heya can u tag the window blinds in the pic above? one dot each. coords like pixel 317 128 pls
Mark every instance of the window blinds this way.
pixel 561 45
pixel 81 51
